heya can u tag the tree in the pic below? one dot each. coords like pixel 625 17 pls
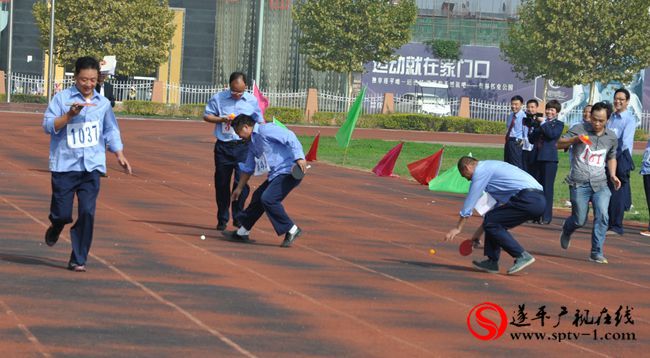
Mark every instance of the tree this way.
pixel 343 35
pixel 137 32
pixel 580 42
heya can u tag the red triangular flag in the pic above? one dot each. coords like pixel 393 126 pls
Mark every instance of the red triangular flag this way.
pixel 262 101
pixel 426 169
pixel 386 165
pixel 311 155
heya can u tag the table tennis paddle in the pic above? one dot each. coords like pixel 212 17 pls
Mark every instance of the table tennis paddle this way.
pixel 466 247
pixel 81 104
pixel 585 139
pixel 297 172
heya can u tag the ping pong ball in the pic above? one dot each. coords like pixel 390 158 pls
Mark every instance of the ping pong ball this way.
pixel 231 116
pixel 202 237
pixel 432 251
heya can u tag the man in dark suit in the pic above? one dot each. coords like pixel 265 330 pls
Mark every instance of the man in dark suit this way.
pixel 105 89
pixel 545 136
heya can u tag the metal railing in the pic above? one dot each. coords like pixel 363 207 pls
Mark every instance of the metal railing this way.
pixel 142 89
pixel 489 110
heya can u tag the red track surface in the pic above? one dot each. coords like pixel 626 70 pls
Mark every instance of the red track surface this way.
pixel 359 282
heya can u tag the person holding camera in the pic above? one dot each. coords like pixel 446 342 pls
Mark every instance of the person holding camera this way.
pixel 545 136
pixel 515 133
pixel 528 151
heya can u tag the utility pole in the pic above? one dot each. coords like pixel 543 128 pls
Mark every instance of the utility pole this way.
pixel 50 65
pixel 9 51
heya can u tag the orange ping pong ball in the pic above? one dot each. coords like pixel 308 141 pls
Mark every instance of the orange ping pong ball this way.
pixel 432 251
pixel 231 116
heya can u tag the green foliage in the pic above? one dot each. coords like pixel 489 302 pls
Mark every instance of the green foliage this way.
pixel 285 115
pixel 191 110
pixel 24 98
pixel 445 49
pixel 578 42
pixel 144 108
pixel 137 32
pixel 413 121
pixel 343 35
pixel 640 135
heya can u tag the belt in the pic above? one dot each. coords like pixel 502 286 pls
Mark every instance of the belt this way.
pixel 530 190
pixel 231 142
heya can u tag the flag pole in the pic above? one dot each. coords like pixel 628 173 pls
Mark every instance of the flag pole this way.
pixel 345 154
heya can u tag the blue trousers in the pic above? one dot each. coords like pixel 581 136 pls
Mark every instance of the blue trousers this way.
pixel 64 187
pixel 526 205
pixel 268 198
pixel 546 173
pixel 580 197
pixel 512 153
pixel 227 155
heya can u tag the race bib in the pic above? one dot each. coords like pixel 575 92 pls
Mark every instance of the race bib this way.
pixel 261 165
pixel 83 135
pixel 226 128
pixel 593 158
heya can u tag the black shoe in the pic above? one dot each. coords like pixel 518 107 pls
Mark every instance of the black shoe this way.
pixel 290 238
pixel 221 226
pixel 233 236
pixel 52 235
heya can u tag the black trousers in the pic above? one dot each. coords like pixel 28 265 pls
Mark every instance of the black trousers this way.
pixel 227 156
pixel 512 153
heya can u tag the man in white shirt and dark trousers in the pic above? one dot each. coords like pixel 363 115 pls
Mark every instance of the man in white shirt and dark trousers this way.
pixel 515 133
pixel 519 198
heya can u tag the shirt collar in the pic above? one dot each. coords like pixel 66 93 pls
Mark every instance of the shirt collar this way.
pixel 75 92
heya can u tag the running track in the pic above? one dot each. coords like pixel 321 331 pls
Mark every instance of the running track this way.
pixel 359 282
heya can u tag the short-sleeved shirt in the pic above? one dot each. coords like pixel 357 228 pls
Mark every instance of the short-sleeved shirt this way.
pixel 280 146
pixel 499 179
pixel 588 162
pixel 222 104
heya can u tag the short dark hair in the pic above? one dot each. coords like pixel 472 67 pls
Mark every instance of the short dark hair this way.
pixel 242 120
pixel 237 75
pixel 84 63
pixel 532 101
pixel 623 91
pixel 465 162
pixel 517 98
pixel 555 104
pixel 600 106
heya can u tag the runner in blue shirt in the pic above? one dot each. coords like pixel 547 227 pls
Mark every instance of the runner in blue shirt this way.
pixel 519 198
pixel 275 150
pixel 81 125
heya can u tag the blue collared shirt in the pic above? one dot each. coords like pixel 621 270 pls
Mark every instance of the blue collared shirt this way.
pixel 280 146
pixel 518 128
pixel 645 164
pixel 499 179
pixel 81 144
pixel 222 105
pixel 624 125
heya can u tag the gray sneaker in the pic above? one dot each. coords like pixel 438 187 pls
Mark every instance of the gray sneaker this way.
pixel 487 266
pixel 598 258
pixel 521 262
pixel 565 240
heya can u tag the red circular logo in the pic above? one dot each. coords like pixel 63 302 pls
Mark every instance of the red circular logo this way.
pixel 491 330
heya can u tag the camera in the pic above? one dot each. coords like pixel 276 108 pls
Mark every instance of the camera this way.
pixel 531 119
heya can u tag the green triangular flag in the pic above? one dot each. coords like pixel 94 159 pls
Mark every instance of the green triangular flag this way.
pixel 450 181
pixel 278 123
pixel 344 134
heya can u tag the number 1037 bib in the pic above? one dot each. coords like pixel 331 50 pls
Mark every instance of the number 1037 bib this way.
pixel 83 135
